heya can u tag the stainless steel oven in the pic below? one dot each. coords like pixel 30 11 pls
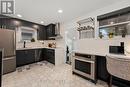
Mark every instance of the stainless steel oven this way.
pixel 84 64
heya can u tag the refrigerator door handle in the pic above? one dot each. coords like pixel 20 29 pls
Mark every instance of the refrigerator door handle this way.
pixel 7 58
pixel 14 44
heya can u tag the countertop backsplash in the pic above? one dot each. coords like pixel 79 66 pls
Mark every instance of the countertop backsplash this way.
pixel 35 44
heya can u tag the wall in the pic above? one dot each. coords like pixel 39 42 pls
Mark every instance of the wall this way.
pixel 86 45
pixel 100 46
pixel 61 42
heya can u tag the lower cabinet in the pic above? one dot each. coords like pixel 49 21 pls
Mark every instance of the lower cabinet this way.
pixel 102 72
pixel 24 57
pixel 49 55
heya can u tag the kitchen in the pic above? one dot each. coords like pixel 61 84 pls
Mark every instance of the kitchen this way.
pixel 39 49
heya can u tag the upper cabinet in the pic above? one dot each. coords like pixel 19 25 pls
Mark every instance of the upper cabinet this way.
pixel 116 23
pixel 50 31
pixel 14 23
pixel 41 33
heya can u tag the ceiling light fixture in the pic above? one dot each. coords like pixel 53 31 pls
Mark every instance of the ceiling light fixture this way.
pixel 19 15
pixel 60 11
pixel 42 22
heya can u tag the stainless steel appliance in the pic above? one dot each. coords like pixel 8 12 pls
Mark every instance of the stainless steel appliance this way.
pixel 8 43
pixel 1 56
pixel 84 64
pixel 57 32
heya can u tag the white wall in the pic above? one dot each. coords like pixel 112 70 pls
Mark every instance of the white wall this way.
pixel 97 45
pixel 61 42
pixel 100 46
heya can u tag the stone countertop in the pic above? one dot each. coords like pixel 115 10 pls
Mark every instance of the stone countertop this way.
pixel 31 48
pixel 119 56
pixel 90 52
pixel 108 54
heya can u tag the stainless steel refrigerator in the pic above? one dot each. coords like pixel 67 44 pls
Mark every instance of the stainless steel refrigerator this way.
pixel 8 43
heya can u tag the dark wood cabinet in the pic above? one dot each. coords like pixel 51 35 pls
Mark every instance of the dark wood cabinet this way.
pixel 39 55
pixel 50 31
pixel 24 57
pixel 41 33
pixel 49 55
pixel 11 23
pixel 102 72
pixel 30 54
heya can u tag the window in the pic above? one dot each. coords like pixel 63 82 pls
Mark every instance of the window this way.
pixel 28 33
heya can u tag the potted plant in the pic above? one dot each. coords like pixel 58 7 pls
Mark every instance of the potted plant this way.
pixel 32 40
pixel 111 35
pixel 100 35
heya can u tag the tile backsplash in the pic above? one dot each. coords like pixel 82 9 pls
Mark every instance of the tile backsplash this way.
pixel 35 44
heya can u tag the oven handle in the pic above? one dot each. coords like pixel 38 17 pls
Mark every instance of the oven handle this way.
pixel 89 61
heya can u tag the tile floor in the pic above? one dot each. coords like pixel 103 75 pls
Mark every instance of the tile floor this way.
pixel 47 75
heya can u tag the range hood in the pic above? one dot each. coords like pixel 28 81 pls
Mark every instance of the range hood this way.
pixel 57 32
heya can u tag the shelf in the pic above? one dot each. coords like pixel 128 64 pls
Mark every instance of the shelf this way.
pixel 86 30
pixel 116 24
pixel 86 20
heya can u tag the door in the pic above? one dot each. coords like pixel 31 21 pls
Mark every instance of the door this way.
pixel 7 41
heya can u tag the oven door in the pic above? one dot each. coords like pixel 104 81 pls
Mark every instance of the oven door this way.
pixel 84 67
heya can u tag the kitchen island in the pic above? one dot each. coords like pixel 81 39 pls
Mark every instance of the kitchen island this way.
pixel 101 69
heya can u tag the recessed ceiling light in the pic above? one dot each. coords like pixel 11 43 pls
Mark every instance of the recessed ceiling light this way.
pixel 19 15
pixel 60 11
pixel 35 26
pixel 42 22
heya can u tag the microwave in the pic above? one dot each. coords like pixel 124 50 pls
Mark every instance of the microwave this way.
pixel 116 49
pixel 84 65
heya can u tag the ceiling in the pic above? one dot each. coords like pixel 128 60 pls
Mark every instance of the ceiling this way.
pixel 46 10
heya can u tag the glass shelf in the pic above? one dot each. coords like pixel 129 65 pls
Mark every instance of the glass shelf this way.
pixel 115 26
pixel 119 30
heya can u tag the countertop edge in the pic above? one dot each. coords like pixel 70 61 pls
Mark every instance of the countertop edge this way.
pixel 37 48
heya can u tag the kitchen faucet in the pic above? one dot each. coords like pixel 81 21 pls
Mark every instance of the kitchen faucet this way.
pixel 24 44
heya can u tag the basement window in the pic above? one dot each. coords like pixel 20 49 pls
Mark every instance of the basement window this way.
pixel 28 33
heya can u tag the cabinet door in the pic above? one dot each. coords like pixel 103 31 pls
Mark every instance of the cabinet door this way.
pixel 41 33
pixel 30 56
pixel 39 55
pixel 20 58
pixel 50 31
pixel 50 56
pixel 25 57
